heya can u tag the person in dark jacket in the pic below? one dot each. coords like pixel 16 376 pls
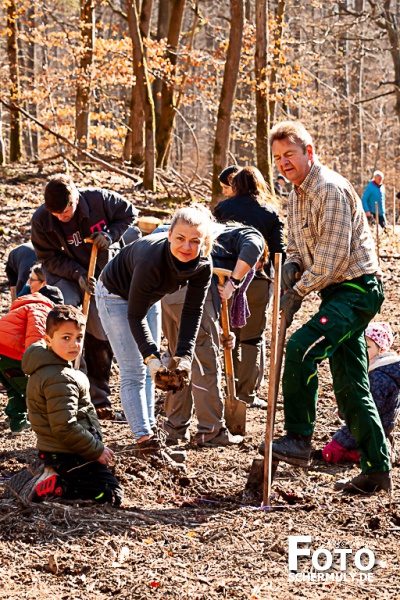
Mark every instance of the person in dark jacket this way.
pixel 237 248
pixel 63 417
pixel 18 266
pixel 384 379
pixel 59 229
pixel 253 205
pixel 127 297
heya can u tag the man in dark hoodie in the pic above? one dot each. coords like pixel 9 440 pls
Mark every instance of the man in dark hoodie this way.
pixel 59 229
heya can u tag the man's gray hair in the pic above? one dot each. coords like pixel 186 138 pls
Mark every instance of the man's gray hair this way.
pixel 294 131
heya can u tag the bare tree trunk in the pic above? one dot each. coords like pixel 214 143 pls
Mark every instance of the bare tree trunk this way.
pixel 167 118
pixel 222 134
pixel 277 42
pixel 144 89
pixel 12 51
pixel 262 104
pixel 134 142
pixel 164 18
pixel 2 147
pixel 83 86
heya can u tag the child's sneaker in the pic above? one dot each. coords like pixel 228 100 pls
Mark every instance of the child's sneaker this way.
pixel 48 485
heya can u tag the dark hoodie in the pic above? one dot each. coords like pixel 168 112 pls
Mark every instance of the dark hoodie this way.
pixel 143 273
pixel 59 406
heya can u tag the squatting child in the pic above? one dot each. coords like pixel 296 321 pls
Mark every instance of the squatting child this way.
pixel 63 417
pixel 384 378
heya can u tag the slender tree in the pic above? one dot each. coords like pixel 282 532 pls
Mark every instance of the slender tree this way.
pixel 144 89
pixel 262 104
pixel 222 134
pixel 12 51
pixel 134 147
pixel 84 76
pixel 167 117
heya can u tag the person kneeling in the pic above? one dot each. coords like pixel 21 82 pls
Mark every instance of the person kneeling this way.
pixel 63 417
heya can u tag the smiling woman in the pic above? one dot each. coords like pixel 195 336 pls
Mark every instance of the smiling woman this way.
pixel 129 291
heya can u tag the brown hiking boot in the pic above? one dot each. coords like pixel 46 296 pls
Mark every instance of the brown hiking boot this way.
pixel 366 483
pixel 106 413
pixel 292 448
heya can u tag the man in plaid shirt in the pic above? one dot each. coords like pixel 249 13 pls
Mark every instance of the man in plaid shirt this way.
pixel 330 251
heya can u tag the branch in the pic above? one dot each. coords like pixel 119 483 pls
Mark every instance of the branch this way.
pixel 374 97
pixel 106 165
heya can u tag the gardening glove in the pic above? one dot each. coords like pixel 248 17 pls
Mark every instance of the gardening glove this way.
pixel 87 285
pixel 154 365
pixel 228 342
pixel 290 304
pixel 226 290
pixel 101 239
pixel 289 272
pixel 183 364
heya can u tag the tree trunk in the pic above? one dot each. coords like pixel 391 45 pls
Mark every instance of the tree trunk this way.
pixel 84 79
pixel 167 118
pixel 276 50
pixel 2 147
pixel 222 134
pixel 134 147
pixel 144 89
pixel 12 51
pixel 262 94
pixel 164 18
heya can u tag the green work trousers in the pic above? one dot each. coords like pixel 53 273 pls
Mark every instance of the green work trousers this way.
pixel 336 332
pixel 14 380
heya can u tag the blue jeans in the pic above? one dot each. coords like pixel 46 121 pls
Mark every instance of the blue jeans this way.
pixel 137 387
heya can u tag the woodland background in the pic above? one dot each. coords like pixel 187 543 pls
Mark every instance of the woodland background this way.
pixel 161 88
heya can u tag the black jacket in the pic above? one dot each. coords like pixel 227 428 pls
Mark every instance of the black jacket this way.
pixel 264 217
pixel 98 209
pixel 145 271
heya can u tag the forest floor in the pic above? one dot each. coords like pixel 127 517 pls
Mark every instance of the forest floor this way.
pixel 193 535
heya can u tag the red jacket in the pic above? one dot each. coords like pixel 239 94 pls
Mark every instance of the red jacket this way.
pixel 24 325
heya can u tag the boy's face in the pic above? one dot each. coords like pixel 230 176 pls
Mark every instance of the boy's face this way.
pixel 67 341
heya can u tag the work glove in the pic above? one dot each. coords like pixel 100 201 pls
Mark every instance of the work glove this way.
pixel 101 239
pixel 226 290
pixel 154 365
pixel 183 364
pixel 289 272
pixel 228 342
pixel 87 285
pixel 290 304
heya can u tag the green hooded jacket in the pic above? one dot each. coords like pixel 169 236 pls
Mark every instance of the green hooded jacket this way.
pixel 59 406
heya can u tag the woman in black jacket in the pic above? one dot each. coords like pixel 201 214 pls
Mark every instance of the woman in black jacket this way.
pixel 253 205
pixel 129 291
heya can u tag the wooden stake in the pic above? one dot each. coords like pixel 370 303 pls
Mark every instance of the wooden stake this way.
pixel 274 377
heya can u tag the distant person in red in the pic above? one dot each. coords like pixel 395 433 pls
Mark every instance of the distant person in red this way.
pixel 19 328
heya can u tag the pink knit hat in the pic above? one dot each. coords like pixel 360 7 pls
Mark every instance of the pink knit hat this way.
pixel 381 334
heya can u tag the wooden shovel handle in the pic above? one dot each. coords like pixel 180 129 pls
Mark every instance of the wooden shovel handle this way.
pixel 86 297
pixel 230 380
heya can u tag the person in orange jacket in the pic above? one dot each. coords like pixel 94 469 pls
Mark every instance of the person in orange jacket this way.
pixel 19 328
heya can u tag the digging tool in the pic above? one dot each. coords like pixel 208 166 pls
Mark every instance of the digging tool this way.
pixel 235 409
pixel 86 297
pixel 277 344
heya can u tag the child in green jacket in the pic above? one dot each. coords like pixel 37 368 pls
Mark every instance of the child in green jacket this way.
pixel 63 417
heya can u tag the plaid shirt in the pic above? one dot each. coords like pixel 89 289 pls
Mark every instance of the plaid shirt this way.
pixel 328 234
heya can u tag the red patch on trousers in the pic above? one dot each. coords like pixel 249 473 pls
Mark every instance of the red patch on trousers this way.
pixel 324 320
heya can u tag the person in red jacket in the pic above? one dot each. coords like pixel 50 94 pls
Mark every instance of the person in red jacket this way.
pixel 19 328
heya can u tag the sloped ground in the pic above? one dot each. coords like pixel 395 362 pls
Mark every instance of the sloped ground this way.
pixel 190 535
